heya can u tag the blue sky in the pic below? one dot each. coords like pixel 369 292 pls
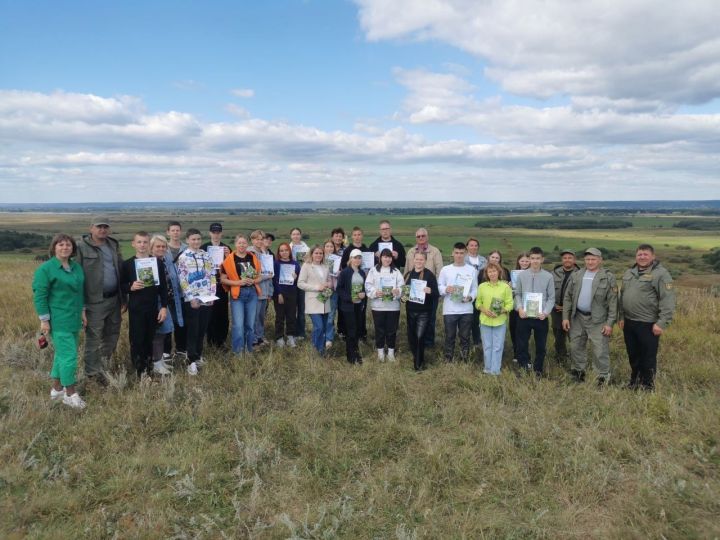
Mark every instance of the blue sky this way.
pixel 371 100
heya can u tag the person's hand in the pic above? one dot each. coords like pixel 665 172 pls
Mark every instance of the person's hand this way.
pixel 123 308
pixel 45 327
pixel 489 313
pixel 84 319
pixel 361 295
pixel 162 314
pixel 450 289
pixel 607 330
pixel 558 308
pixel 621 325
pixel 656 330
pixel 542 316
pixel 395 254
pixel 396 292
pixel 566 325
pixel 226 251
pixel 195 303
pixel 281 300
pixel 467 299
pixel 427 290
pixel 137 285
pixel 522 314
pixel 378 294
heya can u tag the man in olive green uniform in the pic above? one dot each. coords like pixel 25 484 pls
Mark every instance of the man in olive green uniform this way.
pixel 100 258
pixel 646 307
pixel 589 313
pixel 561 275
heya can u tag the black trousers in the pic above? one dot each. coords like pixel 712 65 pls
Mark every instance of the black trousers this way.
pixel 561 337
pixel 417 326
pixel 476 339
pixel 217 330
pixel 524 328
pixel 457 325
pixel 285 314
pixel 196 321
pixel 432 321
pixel 642 347
pixel 352 328
pixel 142 324
pixel 513 329
pixel 386 325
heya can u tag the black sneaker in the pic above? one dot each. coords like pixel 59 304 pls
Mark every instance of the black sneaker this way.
pixel 602 382
pixel 577 375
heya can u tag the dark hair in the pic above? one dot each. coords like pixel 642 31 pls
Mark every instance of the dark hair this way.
pixel 191 231
pixel 471 239
pixel 498 252
pixel 517 261
pixel 535 250
pixel 645 247
pixel 459 245
pixel 385 253
pixel 356 228
pixel 337 230
pixel 173 224
pixel 384 221
pixel 298 229
pixel 141 233
pixel 62 237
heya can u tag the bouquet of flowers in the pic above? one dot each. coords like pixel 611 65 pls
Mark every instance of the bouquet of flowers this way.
pixel 249 272
pixel 405 295
pixel 324 295
pixel 356 289
pixel 387 294
pixel 496 306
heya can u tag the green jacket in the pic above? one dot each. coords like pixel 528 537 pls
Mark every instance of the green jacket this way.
pixel 647 297
pixel 603 308
pixel 90 258
pixel 58 295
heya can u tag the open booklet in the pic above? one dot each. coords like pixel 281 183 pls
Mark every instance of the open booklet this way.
pixel 533 304
pixel 147 271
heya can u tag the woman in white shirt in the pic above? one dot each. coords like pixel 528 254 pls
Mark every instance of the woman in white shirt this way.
pixel 314 280
pixel 383 287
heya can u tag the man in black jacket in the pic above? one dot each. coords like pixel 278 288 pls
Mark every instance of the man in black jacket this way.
pixel 386 237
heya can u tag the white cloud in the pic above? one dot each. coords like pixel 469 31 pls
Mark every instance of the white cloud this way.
pixel 618 49
pixel 243 92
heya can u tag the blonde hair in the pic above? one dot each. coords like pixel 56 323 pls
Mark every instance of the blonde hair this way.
pixel 157 238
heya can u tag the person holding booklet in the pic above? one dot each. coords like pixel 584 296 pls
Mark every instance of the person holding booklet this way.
pixel 521 263
pixel 198 284
pixel 356 239
pixel 58 286
pixel 478 262
pixel 300 251
pixel 218 324
pixel 285 295
pixel 458 285
pixel 314 280
pixel 332 260
pixel 384 288
pixel 265 293
pixel 494 301
pixel 434 263
pixel 351 294
pixel 240 274
pixel 142 278
pixel 534 301
pixel 175 247
pixel 158 248
pixel 422 294
pixel 387 241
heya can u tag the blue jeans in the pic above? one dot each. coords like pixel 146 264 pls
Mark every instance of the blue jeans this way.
pixel 493 342
pixel 260 313
pixel 243 319
pixel 330 325
pixel 319 323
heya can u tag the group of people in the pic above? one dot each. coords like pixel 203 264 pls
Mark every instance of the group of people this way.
pixel 178 289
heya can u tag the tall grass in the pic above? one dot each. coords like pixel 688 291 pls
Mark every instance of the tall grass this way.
pixel 283 444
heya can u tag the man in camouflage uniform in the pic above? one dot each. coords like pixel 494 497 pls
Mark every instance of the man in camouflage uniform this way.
pixel 561 275
pixel 646 307
pixel 589 313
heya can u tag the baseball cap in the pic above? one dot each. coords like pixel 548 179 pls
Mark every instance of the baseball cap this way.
pixel 216 227
pixel 355 253
pixel 100 220
pixel 593 251
pixel 564 251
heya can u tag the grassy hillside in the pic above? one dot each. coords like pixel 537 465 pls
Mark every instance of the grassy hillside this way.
pixel 287 445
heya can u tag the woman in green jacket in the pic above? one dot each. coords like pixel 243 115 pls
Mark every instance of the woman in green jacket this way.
pixel 59 298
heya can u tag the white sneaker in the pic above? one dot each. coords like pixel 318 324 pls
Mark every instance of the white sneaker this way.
pixel 166 365
pixel 381 355
pixel 74 401
pixel 391 355
pixel 291 341
pixel 280 342
pixel 328 344
pixel 166 357
pixel 200 362
pixel 160 369
pixel 192 369
pixel 57 395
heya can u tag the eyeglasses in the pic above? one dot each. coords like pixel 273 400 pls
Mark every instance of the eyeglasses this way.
pixel 384 228
pixel 102 226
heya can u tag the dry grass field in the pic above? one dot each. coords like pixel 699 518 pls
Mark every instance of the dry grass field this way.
pixel 284 444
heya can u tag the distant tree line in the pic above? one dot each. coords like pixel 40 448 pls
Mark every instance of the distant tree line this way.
pixel 554 223
pixel 12 240
pixel 698 224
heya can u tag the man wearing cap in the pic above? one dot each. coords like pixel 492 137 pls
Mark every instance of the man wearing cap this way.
pixel 646 307
pixel 435 265
pixel 99 255
pixel 561 274
pixel 589 313
pixel 217 330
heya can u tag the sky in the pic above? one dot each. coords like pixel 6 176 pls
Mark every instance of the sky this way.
pixel 372 100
